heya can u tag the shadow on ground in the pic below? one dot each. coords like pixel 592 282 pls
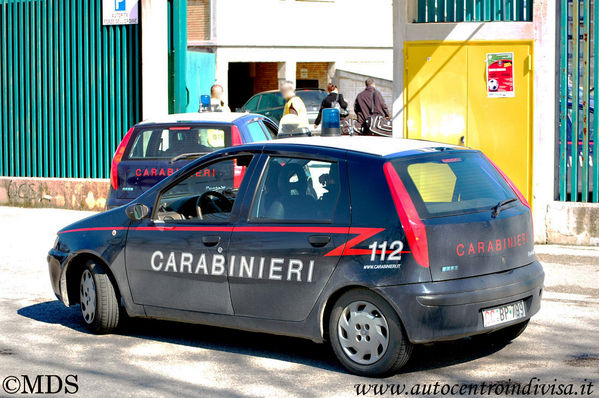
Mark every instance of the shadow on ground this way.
pixel 295 350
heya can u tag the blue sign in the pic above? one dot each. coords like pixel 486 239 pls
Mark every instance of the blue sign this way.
pixel 120 12
pixel 120 5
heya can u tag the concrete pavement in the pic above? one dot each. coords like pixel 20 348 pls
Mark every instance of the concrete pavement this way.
pixel 39 336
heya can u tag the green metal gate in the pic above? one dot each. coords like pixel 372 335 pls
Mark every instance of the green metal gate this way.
pixel 474 10
pixel 578 126
pixel 69 86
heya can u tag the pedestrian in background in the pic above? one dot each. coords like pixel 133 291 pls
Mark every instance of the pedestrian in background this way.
pixel 217 104
pixel 333 100
pixel 294 104
pixel 371 111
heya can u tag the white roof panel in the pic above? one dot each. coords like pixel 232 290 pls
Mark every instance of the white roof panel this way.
pixel 219 117
pixel 381 146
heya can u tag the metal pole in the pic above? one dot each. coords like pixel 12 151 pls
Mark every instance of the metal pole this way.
pixel 180 50
pixel 563 100
pixel 585 100
pixel 595 118
pixel 575 98
pixel 4 131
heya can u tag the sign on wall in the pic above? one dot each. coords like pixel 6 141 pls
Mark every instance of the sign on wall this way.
pixel 500 75
pixel 119 12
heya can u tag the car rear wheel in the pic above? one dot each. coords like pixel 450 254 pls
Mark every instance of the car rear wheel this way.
pixel 367 335
pixel 97 299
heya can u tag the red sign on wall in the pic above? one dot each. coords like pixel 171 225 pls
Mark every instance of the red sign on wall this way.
pixel 500 75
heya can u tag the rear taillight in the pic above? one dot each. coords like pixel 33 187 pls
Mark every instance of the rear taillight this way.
pixel 510 183
pixel 408 215
pixel 118 155
pixel 235 136
pixel 238 171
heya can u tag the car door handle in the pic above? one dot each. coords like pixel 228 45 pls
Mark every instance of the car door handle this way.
pixel 319 240
pixel 210 240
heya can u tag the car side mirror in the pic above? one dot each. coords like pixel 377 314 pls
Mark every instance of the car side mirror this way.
pixel 137 211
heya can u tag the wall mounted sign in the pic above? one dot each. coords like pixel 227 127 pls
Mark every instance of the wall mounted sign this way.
pixel 120 12
pixel 500 75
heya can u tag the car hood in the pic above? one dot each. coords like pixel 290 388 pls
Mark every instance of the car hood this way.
pixel 111 219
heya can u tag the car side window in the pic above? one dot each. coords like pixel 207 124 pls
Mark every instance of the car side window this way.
pixel 252 104
pixel 206 195
pixel 256 132
pixel 270 128
pixel 294 189
pixel 270 101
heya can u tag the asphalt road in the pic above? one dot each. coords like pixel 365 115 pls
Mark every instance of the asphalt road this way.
pixel 39 336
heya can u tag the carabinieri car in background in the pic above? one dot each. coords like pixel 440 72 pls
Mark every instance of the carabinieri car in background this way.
pixel 372 244
pixel 154 149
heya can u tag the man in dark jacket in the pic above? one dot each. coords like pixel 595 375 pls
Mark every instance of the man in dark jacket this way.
pixel 364 107
pixel 330 101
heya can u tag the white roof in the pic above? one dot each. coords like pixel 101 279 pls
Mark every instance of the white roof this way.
pixel 381 146
pixel 219 117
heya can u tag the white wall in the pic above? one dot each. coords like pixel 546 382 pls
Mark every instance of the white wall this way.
pixel 545 118
pixel 355 35
pixel 154 59
pixel 291 23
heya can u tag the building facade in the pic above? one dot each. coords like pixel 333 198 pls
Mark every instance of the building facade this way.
pixel 441 91
pixel 257 44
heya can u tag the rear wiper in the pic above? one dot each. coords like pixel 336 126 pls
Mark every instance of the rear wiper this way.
pixel 186 155
pixel 497 208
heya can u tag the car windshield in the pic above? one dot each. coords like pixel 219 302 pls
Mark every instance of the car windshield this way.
pixel 311 97
pixel 170 141
pixel 450 184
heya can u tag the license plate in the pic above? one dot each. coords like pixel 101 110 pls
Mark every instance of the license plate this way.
pixel 504 313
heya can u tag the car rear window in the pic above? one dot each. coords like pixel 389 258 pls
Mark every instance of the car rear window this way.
pixel 256 131
pixel 450 184
pixel 311 97
pixel 168 142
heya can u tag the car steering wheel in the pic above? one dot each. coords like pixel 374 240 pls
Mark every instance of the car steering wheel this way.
pixel 219 203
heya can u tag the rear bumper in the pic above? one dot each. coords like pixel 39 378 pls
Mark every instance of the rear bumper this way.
pixel 450 310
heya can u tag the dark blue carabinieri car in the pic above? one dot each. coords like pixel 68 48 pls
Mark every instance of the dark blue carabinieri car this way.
pixel 374 244
pixel 155 148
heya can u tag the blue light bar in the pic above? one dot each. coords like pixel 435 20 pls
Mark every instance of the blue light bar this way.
pixel 204 103
pixel 331 123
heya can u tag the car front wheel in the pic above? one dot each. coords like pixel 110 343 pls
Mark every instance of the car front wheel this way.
pixel 367 335
pixel 97 299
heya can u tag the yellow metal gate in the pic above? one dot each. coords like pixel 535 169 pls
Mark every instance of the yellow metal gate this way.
pixel 447 100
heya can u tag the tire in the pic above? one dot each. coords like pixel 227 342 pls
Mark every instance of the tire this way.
pixel 367 335
pixel 505 335
pixel 98 300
